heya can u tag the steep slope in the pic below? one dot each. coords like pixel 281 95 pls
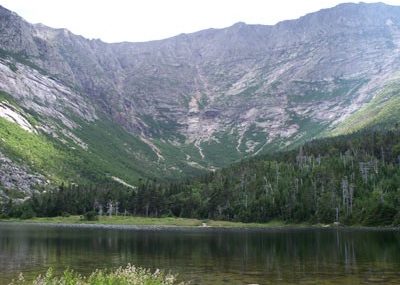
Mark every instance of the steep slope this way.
pixel 203 100
pixel 49 134
pixel 382 110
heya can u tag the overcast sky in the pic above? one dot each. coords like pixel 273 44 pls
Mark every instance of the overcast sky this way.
pixel 134 20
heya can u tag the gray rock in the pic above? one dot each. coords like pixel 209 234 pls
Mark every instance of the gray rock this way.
pixel 246 87
pixel 19 178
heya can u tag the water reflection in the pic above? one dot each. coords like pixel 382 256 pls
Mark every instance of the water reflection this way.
pixel 304 256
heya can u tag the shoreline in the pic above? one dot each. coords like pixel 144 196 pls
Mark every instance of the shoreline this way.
pixel 156 224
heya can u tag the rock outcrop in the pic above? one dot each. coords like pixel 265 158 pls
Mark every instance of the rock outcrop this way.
pixel 18 178
pixel 206 99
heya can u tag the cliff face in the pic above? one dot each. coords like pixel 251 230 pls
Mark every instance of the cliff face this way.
pixel 205 99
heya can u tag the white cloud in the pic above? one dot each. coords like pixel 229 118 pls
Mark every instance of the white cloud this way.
pixel 143 20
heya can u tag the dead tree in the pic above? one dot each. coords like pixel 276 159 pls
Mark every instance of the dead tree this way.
pixel 347 195
pixel 116 208
pixel 110 208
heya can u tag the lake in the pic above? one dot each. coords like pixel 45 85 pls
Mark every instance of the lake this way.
pixel 208 256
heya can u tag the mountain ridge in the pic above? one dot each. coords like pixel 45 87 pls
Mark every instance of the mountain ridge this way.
pixel 202 100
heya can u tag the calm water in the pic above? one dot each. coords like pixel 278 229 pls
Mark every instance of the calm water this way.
pixel 303 256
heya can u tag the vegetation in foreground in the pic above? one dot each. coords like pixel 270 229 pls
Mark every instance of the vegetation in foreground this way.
pixel 130 275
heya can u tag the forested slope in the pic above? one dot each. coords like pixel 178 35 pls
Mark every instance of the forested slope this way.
pixel 353 179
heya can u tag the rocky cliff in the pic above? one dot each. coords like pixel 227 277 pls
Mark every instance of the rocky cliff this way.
pixel 201 100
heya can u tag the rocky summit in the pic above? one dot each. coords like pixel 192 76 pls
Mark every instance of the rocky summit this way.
pixel 194 102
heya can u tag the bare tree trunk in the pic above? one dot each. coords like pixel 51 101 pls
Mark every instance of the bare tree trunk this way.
pixel 110 208
pixel 116 208
pixel 337 214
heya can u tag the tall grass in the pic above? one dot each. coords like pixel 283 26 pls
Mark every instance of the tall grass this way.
pixel 129 275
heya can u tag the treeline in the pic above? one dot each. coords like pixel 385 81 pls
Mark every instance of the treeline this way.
pixel 352 179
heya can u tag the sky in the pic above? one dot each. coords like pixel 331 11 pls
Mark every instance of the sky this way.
pixel 144 20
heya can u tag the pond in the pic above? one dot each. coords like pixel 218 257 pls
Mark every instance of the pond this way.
pixel 208 256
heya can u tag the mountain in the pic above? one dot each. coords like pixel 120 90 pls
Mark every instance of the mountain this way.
pixel 77 110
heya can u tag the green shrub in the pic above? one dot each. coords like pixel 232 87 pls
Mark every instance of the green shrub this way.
pixel 90 216
pixel 129 275
pixel 396 220
pixel 24 211
pixel 65 214
pixel 28 215
pixel 380 215
pixel 4 216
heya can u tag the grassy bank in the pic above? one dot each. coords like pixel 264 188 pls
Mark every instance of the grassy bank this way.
pixel 143 221
pixel 130 275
